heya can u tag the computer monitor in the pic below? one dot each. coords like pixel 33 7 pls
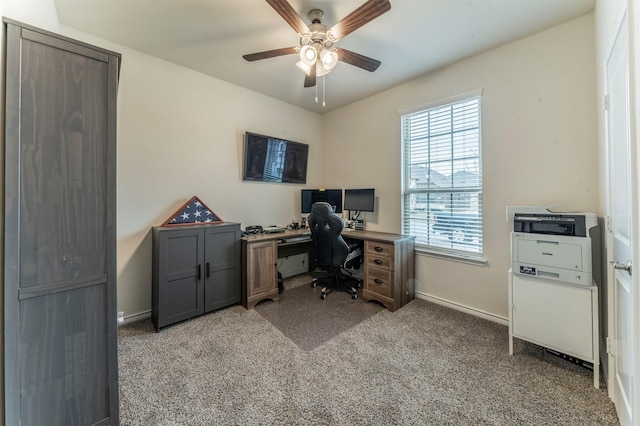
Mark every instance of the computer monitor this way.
pixel 310 196
pixel 361 200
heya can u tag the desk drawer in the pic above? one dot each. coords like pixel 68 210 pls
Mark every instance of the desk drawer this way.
pixel 378 281
pixel 382 249
pixel 378 261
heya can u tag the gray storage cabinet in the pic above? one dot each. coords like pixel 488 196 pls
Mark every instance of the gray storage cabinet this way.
pixel 59 270
pixel 196 269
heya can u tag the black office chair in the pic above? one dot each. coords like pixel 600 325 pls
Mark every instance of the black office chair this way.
pixel 330 250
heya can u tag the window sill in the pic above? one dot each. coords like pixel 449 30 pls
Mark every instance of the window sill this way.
pixel 453 257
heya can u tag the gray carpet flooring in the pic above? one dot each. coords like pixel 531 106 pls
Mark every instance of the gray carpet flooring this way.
pixel 309 321
pixel 421 365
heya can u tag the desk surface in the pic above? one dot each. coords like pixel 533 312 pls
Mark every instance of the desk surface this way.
pixel 359 235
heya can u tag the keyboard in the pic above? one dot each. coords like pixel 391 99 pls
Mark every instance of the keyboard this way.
pixel 272 229
pixel 300 238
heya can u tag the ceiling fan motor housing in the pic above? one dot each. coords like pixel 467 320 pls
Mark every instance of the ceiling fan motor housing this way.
pixel 315 16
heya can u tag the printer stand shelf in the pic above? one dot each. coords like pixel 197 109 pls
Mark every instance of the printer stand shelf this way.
pixel 558 316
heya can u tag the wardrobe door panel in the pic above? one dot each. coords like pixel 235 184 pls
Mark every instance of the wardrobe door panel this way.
pixel 63 158
pixel 64 351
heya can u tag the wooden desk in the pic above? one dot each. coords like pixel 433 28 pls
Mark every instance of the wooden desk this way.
pixel 388 265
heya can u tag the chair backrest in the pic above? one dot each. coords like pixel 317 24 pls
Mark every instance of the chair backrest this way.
pixel 326 227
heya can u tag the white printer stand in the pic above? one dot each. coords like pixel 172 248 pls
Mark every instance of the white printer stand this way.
pixel 553 300
pixel 555 315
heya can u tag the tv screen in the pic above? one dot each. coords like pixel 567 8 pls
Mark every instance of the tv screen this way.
pixel 361 200
pixel 271 159
pixel 331 196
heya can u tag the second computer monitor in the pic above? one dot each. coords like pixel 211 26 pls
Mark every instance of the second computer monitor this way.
pixel 331 196
pixel 361 200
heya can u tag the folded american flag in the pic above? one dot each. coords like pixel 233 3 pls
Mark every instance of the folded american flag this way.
pixel 193 211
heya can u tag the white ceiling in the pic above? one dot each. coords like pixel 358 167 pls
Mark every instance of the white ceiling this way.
pixel 413 38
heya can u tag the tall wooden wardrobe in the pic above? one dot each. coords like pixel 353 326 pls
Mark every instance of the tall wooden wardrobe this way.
pixel 60 331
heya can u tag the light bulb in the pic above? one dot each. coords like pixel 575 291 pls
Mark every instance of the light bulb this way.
pixel 308 55
pixel 329 59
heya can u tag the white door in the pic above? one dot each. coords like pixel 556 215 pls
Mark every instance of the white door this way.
pixel 622 329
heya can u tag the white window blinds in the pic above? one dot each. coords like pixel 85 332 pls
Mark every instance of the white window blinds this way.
pixel 442 176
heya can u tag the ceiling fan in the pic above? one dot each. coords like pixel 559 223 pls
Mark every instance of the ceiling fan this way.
pixel 318 56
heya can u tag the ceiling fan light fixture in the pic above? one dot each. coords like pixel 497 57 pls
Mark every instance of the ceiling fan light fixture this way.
pixel 308 55
pixel 329 59
pixel 304 67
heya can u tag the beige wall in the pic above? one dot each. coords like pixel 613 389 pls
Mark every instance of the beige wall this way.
pixel 180 134
pixel 539 147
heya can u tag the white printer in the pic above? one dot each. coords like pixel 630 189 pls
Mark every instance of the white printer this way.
pixel 554 246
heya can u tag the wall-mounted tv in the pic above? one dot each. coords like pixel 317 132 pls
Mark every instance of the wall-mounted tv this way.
pixel 361 200
pixel 310 196
pixel 271 159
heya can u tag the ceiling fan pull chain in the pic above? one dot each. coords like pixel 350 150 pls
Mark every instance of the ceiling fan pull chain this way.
pixel 316 93
pixel 324 85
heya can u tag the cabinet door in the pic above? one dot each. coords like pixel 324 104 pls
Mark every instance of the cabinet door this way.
pixel 262 264
pixel 222 267
pixel 60 335
pixel 180 275
pixel 553 315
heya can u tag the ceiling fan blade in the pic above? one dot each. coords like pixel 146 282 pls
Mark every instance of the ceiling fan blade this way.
pixel 290 15
pixel 310 79
pixel 270 53
pixel 365 13
pixel 358 60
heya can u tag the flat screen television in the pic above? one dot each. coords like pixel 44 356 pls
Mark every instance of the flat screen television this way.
pixel 310 196
pixel 271 159
pixel 361 200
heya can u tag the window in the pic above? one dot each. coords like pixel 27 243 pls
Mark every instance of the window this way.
pixel 442 176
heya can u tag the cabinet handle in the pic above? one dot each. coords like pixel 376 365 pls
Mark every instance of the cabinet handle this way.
pixel 377 281
pixel 555 243
pixel 378 262
pixel 199 271
pixel 378 249
pixel 208 269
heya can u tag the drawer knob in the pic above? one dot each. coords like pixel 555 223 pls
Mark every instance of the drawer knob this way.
pixel 378 262
pixel 378 249
pixel 377 281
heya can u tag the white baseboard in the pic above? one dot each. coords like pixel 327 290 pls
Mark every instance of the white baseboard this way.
pixel 137 317
pixel 466 309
